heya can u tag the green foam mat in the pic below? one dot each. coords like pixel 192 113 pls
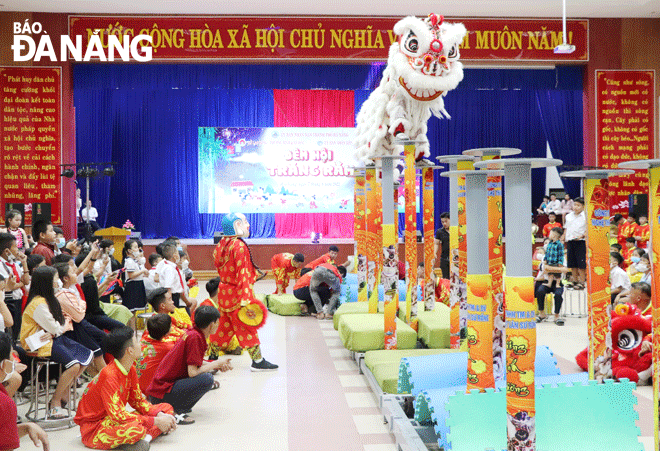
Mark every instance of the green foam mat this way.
pixel 363 332
pixel 284 304
pixel 433 327
pixel 586 417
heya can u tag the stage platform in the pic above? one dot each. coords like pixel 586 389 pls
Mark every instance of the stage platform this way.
pixel 201 251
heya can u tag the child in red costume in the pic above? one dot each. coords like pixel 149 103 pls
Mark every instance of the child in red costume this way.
pixel 241 313
pixel 102 416
pixel 155 344
pixel 285 266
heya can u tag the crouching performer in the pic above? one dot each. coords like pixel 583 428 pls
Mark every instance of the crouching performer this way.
pixel 241 313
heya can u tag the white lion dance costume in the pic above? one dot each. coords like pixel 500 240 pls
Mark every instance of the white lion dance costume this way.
pixel 421 68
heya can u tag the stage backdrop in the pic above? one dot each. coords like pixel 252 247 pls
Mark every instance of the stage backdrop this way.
pixel 147 118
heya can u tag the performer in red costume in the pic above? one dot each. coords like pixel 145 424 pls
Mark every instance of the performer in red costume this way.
pixel 286 266
pixel 102 416
pixel 241 314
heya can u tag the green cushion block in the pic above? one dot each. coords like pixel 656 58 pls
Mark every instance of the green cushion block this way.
pixel 362 332
pixel 284 304
pixel 363 307
pixel 433 327
pixel 350 308
pixel 384 365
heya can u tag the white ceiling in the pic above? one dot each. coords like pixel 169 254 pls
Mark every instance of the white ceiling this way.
pixel 448 8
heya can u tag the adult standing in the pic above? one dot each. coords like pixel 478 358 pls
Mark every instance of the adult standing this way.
pixel 574 236
pixel 442 239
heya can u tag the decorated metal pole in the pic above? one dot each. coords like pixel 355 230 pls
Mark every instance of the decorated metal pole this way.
pixel 599 323
pixel 495 249
pixel 390 253
pixel 374 224
pixel 653 167
pixel 479 282
pixel 521 310
pixel 457 246
pixel 360 233
pixel 410 181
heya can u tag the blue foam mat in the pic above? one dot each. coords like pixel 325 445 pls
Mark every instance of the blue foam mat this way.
pixel 449 370
pixel 589 417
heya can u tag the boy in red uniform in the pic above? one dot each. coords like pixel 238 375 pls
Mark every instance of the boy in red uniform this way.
pixel 102 416
pixel 643 232
pixel 286 266
pixel 325 258
pixel 155 345
pixel 161 302
pixel 182 377
pixel 552 223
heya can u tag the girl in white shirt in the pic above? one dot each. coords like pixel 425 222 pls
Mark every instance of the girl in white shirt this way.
pixel 134 293
pixel 43 314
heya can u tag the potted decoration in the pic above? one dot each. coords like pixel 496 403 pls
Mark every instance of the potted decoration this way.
pixel 128 226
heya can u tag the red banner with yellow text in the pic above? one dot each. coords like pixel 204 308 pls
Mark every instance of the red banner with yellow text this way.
pixel 624 128
pixel 323 37
pixel 31 99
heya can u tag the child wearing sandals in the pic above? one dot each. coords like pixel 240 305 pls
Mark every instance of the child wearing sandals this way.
pixel 43 314
pixel 554 255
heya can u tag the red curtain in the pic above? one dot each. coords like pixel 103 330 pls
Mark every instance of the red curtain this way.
pixel 322 108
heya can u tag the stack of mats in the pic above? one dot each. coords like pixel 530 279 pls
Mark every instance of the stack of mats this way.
pixel 384 364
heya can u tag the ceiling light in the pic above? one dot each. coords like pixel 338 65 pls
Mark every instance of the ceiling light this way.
pixel 109 171
pixel 68 173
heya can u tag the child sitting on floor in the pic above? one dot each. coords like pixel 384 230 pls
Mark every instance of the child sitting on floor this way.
pixel 155 344
pixel 215 349
pixel 102 416
pixel 161 302
pixel 182 377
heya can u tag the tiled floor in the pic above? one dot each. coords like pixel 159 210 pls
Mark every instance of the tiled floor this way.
pixel 317 400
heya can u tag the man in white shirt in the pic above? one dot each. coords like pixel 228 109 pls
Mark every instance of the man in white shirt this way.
pixel 90 212
pixel 575 227
pixel 554 206
pixel 13 268
pixel 170 276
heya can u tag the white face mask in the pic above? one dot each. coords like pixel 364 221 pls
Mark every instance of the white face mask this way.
pixel 8 374
pixel 142 260
pixel 60 243
pixel 111 251
pixel 185 264
pixel 59 285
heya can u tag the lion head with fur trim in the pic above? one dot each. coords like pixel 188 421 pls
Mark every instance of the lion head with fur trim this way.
pixel 426 56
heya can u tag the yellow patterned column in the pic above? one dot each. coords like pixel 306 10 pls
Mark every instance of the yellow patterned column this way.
pixel 520 356
pixel 410 179
pixel 458 298
pixel 429 238
pixel 495 263
pixel 360 233
pixel 598 271
pixel 374 246
pixel 390 283
pixel 480 332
